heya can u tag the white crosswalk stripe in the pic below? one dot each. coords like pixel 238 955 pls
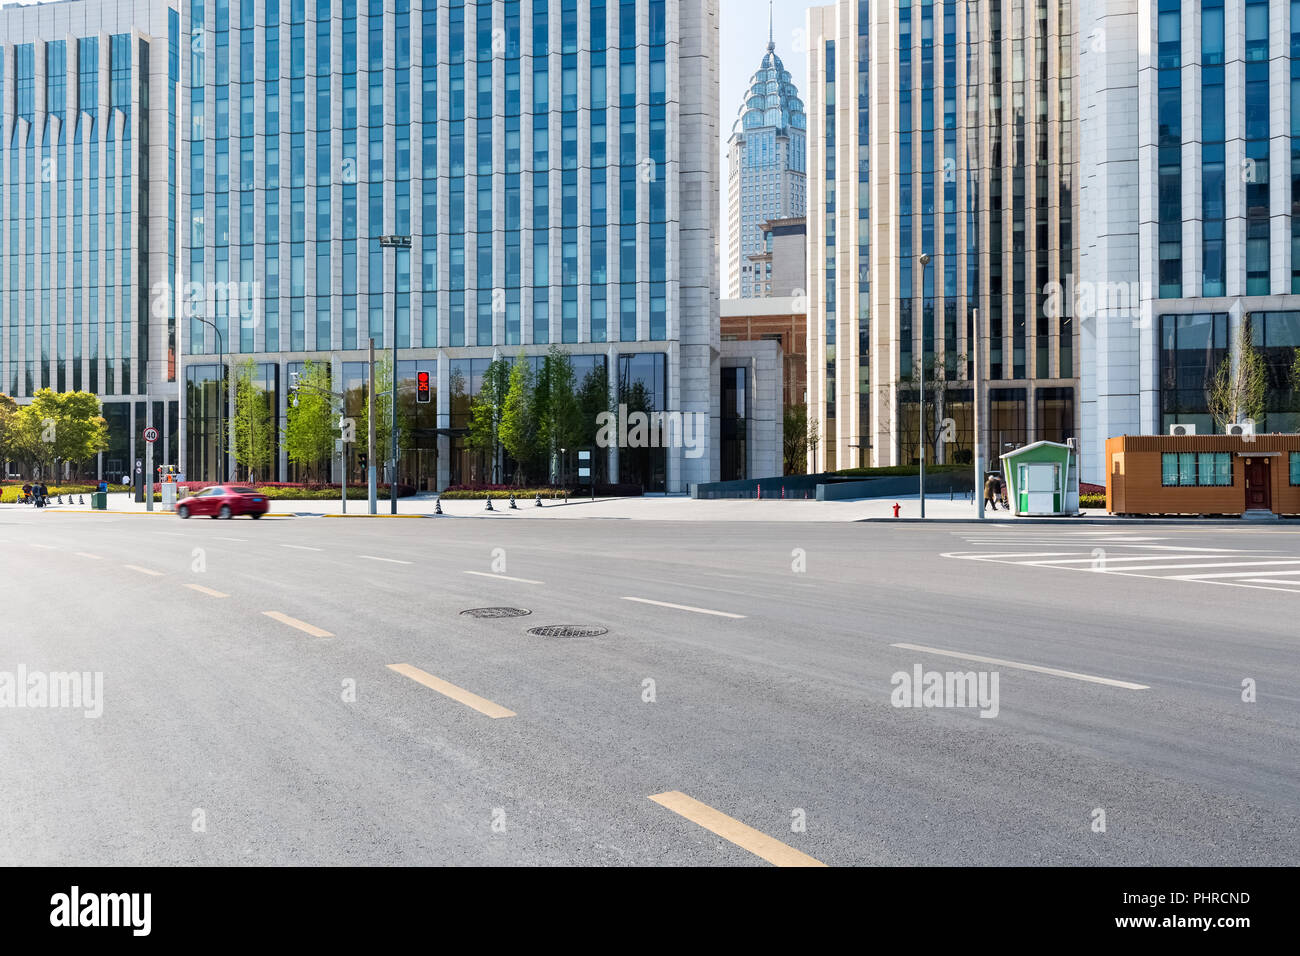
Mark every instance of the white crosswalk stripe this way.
pixel 1127 555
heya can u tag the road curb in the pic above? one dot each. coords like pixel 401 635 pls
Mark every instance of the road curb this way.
pixel 1109 522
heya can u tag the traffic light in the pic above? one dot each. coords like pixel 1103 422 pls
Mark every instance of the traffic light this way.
pixel 361 460
pixel 423 393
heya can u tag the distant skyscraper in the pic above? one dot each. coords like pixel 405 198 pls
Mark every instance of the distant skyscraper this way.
pixel 767 170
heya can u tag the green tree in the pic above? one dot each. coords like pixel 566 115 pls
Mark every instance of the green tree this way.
pixel 8 429
pixel 518 430
pixel 1236 392
pixel 800 436
pixel 486 410
pixel 54 427
pixel 310 427
pixel 556 409
pixel 384 416
pixel 254 425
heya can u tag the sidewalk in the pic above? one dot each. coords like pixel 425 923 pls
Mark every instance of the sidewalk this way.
pixel 648 508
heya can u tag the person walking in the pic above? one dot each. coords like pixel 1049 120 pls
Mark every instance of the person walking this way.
pixel 990 492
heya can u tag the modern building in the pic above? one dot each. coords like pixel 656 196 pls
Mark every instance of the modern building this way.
pixel 783 320
pixel 946 130
pixel 551 162
pixel 780 266
pixel 766 177
pixel 88 189
pixel 1188 149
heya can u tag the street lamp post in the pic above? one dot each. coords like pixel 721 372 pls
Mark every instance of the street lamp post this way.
pixel 221 406
pixel 920 384
pixel 394 242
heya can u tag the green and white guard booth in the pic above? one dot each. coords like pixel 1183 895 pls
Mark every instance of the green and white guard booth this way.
pixel 1042 479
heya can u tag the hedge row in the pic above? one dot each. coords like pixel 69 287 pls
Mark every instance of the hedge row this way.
pixel 1092 501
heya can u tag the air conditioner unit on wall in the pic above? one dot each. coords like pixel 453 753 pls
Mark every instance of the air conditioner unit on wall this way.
pixel 1241 429
pixel 1182 429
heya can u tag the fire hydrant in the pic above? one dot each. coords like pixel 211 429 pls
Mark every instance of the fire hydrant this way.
pixel 895 509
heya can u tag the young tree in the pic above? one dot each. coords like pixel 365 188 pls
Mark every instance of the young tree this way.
pixel 800 438
pixel 384 420
pixel 486 409
pixel 558 414
pixel 8 429
pixel 309 430
pixel 253 425
pixel 518 431
pixel 938 388
pixel 1236 393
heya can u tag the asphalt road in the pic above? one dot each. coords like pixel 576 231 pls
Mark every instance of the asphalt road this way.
pixel 251 712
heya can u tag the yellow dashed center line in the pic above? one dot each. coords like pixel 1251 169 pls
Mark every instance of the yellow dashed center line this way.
pixel 458 694
pixel 733 831
pixel 208 591
pixel 300 625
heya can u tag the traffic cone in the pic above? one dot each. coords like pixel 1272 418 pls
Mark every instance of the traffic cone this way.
pixel 437 506
pixel 58 499
pixel 81 499
pixel 539 499
pixel 513 506
pixel 489 503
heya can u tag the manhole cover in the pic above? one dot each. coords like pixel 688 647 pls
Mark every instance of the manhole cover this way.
pixel 568 630
pixel 493 612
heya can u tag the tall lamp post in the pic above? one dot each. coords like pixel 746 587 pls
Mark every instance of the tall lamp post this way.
pixel 920 383
pixel 394 242
pixel 225 396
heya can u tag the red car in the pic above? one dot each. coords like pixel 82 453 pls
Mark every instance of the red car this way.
pixel 224 501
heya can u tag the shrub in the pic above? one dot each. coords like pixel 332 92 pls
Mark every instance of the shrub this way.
pixel 1087 500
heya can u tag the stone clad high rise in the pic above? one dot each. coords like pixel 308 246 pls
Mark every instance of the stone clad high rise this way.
pixel 943 129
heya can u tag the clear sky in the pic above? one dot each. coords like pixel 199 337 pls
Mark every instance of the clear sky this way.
pixel 744 41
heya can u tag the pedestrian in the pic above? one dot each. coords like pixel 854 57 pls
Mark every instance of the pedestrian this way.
pixel 990 491
pixel 1002 495
pixel 27 492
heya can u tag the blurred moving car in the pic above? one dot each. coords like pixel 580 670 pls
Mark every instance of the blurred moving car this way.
pixel 224 501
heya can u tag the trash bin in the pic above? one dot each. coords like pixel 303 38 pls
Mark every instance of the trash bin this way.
pixel 99 500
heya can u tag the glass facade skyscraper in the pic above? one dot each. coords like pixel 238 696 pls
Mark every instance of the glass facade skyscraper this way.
pixel 767 172
pixel 547 158
pixel 85 186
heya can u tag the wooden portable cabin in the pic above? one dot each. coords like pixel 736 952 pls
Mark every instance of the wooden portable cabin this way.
pixel 1203 474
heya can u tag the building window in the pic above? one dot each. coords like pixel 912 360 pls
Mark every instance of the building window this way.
pixel 1200 469
pixel 1191 349
pixel 1295 468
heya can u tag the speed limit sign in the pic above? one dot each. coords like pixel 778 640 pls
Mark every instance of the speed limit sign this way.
pixel 151 435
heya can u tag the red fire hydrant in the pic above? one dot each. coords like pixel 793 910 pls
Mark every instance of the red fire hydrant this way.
pixel 895 509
